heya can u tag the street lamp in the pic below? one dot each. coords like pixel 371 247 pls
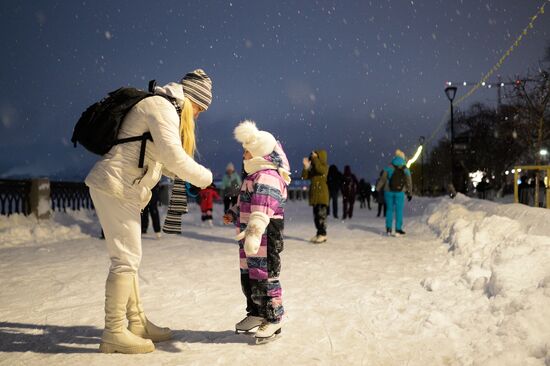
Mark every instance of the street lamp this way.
pixel 450 91
pixel 421 141
pixel 543 152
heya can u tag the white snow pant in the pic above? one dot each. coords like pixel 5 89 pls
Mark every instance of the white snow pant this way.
pixel 121 223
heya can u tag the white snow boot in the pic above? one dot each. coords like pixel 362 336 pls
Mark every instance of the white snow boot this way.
pixel 268 332
pixel 320 239
pixel 248 323
pixel 138 323
pixel 116 338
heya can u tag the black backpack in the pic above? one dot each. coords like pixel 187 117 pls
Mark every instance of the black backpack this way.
pixel 398 179
pixel 98 127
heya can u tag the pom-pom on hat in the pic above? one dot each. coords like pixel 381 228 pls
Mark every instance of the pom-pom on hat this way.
pixel 258 143
pixel 400 154
pixel 197 86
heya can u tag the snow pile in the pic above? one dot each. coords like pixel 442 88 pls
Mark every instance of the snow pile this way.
pixel 504 252
pixel 23 230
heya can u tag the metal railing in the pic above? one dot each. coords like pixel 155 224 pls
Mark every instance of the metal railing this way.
pixel 15 196
pixel 70 195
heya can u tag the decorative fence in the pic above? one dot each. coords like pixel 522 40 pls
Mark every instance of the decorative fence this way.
pixel 19 196
pixel 15 196
pixel 72 195
pixel 24 196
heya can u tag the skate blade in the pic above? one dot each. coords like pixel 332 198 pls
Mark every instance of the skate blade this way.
pixel 264 340
pixel 249 331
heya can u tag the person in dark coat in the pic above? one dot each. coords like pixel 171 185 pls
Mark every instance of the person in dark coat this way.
pixel 380 198
pixel 364 193
pixel 368 189
pixel 349 191
pixel 152 209
pixel 523 190
pixel 334 181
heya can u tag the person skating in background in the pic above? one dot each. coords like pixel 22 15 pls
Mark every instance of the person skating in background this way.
pixel 380 197
pixel 349 191
pixel 368 189
pixel 259 215
pixel 396 181
pixel 334 182
pixel 231 185
pixel 152 209
pixel 364 193
pixel 207 197
pixel 316 170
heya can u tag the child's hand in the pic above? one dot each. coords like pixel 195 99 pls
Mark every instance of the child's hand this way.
pixel 227 219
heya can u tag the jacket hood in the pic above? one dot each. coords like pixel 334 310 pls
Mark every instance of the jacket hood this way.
pixel 279 159
pixel 347 170
pixel 398 161
pixel 174 90
pixel 322 155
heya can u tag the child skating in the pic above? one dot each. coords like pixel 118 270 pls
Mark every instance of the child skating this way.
pixel 259 214
pixel 208 195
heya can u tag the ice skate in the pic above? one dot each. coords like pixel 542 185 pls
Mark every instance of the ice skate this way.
pixel 399 233
pixel 158 235
pixel 210 223
pixel 314 239
pixel 268 332
pixel 320 239
pixel 248 324
pixel 389 231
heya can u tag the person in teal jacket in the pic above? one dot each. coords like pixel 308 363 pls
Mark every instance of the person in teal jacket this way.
pixel 396 182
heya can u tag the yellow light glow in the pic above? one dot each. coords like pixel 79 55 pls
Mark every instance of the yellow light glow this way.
pixel 415 157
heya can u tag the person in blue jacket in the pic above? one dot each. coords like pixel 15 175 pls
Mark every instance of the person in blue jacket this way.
pixel 396 182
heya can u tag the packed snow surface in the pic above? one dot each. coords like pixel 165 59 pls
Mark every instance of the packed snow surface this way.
pixel 468 285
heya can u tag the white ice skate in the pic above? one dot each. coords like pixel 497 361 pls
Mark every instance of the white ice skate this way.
pixel 314 239
pixel 268 332
pixel 320 239
pixel 248 324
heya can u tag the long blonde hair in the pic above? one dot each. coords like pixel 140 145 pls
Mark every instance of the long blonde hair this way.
pixel 187 128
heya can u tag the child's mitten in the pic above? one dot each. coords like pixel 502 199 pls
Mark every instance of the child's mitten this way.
pixel 257 223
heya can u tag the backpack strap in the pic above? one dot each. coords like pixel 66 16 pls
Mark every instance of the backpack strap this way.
pixel 147 135
pixel 143 138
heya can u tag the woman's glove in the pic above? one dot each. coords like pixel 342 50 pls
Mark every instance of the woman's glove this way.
pixel 257 223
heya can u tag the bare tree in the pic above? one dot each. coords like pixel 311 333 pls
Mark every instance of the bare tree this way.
pixel 532 99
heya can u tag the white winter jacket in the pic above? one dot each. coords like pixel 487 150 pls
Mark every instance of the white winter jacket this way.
pixel 117 172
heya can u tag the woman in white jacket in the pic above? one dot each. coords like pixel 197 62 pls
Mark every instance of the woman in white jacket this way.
pixel 120 190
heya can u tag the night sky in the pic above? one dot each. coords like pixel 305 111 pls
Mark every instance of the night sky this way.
pixel 358 78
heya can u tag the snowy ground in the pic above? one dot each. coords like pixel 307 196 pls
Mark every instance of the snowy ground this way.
pixel 468 285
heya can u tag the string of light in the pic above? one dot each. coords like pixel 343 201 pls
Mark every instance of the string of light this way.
pixel 507 54
pixel 495 68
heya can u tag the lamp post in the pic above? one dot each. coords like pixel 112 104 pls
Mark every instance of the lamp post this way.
pixel 450 91
pixel 421 142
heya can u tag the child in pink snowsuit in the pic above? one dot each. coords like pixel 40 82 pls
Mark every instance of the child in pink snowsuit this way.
pixel 259 214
